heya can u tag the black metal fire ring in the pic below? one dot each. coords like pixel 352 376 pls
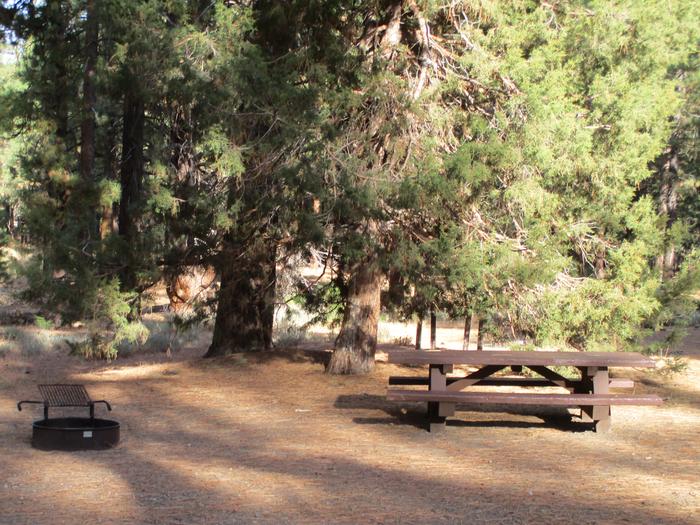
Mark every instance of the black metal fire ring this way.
pixel 71 433
pixel 75 433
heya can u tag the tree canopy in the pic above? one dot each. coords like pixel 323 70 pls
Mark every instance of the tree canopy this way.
pixel 532 162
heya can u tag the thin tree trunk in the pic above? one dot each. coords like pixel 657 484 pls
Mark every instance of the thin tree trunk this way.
pixel 473 342
pixel 433 329
pixel 9 225
pixel 246 300
pixel 109 210
pixel 57 26
pixel 106 222
pixel 600 264
pixel 668 204
pixel 87 125
pixel 357 342
pixel 480 337
pixel 419 332
pixel 465 338
pixel 267 299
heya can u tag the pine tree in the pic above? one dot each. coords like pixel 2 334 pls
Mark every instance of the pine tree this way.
pixel 505 159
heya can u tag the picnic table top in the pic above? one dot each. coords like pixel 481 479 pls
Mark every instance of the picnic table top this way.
pixel 517 358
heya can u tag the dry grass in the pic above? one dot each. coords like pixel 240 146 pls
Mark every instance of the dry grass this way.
pixel 272 439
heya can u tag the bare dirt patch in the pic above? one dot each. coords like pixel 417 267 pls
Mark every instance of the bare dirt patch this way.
pixel 272 439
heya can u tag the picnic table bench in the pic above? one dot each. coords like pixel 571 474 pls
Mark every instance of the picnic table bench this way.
pixel 590 392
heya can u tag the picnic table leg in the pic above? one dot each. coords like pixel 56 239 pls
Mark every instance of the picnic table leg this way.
pixel 595 380
pixel 601 385
pixel 438 412
pixel 585 386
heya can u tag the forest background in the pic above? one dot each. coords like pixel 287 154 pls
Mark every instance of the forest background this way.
pixel 531 163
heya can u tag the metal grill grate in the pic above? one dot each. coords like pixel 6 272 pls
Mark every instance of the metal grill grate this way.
pixel 65 395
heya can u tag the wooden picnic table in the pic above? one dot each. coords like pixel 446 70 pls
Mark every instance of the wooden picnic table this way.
pixel 590 391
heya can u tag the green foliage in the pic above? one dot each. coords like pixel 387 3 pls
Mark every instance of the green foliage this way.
pixel 680 304
pixel 43 323
pixel 511 161
pixel 108 323
pixel 325 302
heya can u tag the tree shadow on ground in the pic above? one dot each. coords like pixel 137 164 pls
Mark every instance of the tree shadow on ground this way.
pixel 317 485
pixel 176 452
pixel 319 355
pixel 662 386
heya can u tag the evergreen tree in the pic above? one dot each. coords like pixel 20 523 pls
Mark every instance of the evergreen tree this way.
pixel 533 163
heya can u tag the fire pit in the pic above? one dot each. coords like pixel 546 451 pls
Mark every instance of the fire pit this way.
pixel 71 433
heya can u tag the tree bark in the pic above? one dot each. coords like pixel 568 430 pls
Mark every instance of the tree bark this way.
pixel 109 211
pixel 132 162
pixel 433 329
pixel 419 332
pixel 474 324
pixel 11 219
pixel 87 125
pixel 396 292
pixel 246 300
pixel 480 337
pixel 668 204
pixel 106 222
pixel 600 264
pixel 465 337
pixel 55 49
pixel 131 175
pixel 357 342
pixel 266 304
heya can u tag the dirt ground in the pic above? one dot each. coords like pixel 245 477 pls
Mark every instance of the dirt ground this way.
pixel 271 439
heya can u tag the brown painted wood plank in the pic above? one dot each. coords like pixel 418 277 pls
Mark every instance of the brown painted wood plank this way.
pixel 601 386
pixel 509 358
pixel 507 398
pixel 474 377
pixel 438 412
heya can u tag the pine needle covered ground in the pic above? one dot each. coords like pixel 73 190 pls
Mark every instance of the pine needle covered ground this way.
pixel 252 439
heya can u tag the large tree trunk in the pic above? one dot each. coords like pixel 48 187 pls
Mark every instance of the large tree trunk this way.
pixel 132 162
pixel 357 342
pixel 131 175
pixel 246 300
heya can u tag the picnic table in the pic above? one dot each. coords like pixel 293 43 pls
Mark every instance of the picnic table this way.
pixel 590 391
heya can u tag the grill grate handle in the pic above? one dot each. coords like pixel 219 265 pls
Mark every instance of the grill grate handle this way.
pixel 19 405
